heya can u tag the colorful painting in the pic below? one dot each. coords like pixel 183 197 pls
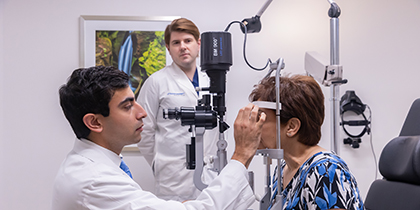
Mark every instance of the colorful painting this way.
pixel 137 53
pixel 133 44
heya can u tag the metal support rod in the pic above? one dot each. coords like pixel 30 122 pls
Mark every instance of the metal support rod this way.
pixel 221 160
pixel 265 201
pixel 278 108
pixel 279 197
pixel 335 135
pixel 264 7
pixel 334 37
pixel 335 88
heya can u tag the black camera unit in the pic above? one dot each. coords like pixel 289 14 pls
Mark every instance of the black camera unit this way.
pixel 201 116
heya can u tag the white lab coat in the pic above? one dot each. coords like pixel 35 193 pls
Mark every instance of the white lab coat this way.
pixel 163 140
pixel 90 178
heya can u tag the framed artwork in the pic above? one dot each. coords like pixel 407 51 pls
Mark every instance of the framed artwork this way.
pixel 133 44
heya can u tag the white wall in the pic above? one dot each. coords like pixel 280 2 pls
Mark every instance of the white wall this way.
pixel 2 146
pixel 39 41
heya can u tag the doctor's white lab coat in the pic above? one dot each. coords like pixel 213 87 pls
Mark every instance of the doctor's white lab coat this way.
pixel 90 178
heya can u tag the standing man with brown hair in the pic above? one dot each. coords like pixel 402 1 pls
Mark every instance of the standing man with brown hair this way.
pixel 163 143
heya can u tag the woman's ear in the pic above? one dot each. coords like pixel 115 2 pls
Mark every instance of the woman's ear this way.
pixel 91 121
pixel 293 126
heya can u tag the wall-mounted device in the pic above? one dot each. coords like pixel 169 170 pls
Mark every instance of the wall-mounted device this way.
pixel 318 67
pixel 350 102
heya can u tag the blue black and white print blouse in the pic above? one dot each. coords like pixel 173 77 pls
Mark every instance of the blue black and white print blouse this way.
pixel 323 182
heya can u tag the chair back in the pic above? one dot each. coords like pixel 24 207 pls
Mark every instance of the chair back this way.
pixel 411 126
pixel 399 165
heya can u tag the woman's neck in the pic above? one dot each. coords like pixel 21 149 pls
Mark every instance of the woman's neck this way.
pixel 299 154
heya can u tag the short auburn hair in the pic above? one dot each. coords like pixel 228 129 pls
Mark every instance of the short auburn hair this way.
pixel 181 25
pixel 300 97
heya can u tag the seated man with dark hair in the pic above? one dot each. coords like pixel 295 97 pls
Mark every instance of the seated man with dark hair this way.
pixel 105 117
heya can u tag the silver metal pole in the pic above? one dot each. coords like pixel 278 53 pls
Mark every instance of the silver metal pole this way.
pixel 264 7
pixel 265 201
pixel 335 88
pixel 279 196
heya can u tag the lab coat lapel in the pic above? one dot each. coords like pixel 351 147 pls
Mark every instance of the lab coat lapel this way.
pixel 181 78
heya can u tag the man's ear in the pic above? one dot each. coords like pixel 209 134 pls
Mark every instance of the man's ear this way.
pixel 199 44
pixel 293 126
pixel 91 121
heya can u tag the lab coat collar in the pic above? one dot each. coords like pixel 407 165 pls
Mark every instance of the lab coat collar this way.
pixel 183 80
pixel 96 153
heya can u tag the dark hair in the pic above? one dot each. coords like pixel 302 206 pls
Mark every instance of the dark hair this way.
pixel 301 97
pixel 181 25
pixel 89 90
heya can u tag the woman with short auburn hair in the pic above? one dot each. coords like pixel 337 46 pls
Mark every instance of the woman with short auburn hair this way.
pixel 313 178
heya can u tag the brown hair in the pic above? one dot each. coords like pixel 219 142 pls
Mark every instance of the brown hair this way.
pixel 301 97
pixel 181 25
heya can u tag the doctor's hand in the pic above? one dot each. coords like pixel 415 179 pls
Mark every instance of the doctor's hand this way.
pixel 247 133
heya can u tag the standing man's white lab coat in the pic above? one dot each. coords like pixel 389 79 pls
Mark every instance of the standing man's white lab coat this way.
pixel 163 140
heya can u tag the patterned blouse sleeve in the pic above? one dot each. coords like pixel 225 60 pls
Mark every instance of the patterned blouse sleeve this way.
pixel 332 186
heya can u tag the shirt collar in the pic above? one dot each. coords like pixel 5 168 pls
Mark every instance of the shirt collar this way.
pixel 95 152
